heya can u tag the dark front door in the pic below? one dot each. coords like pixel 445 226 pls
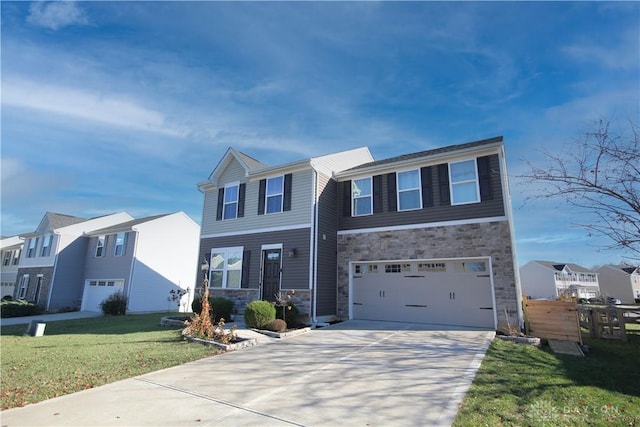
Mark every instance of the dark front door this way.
pixel 271 274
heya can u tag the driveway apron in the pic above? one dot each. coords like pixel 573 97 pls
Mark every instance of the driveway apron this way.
pixel 356 373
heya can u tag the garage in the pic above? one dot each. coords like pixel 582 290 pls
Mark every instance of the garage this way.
pixel 447 292
pixel 96 291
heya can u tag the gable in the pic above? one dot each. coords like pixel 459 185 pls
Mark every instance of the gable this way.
pixel 232 172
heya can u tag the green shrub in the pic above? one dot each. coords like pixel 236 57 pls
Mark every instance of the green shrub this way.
pixel 259 313
pixel 115 304
pixel 277 325
pixel 7 298
pixel 18 308
pixel 288 313
pixel 221 308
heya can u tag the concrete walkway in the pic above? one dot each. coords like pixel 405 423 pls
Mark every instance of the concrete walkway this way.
pixel 49 317
pixel 354 373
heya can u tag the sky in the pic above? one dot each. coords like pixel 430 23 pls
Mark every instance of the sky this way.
pixel 126 106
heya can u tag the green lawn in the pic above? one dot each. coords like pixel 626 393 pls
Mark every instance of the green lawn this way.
pixel 78 354
pixel 520 385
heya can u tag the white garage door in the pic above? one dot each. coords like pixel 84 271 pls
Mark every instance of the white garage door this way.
pixel 450 292
pixel 96 291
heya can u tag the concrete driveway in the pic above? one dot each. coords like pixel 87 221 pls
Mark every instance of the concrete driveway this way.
pixel 358 373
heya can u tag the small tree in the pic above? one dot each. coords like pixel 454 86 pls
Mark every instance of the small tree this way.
pixel 600 176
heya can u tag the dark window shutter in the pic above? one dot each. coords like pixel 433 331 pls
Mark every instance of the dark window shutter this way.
pixel 246 262
pixel 484 178
pixel 241 191
pixel 261 195
pixel 443 184
pixel 346 198
pixel 220 204
pixel 391 190
pixel 427 186
pixel 286 202
pixel 377 194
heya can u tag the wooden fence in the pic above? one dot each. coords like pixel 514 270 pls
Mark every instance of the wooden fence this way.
pixel 608 322
pixel 552 320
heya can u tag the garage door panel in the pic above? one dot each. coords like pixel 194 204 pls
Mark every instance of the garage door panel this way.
pixel 96 291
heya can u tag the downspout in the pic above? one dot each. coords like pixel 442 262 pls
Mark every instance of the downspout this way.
pixel 55 268
pixel 133 267
pixel 314 246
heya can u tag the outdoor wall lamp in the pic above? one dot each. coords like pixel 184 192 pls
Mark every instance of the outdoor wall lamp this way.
pixel 293 252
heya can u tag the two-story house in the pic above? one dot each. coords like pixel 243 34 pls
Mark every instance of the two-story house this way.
pixel 10 250
pixel 620 281
pixel 550 280
pixel 425 237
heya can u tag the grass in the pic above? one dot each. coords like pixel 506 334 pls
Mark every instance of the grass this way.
pixel 74 355
pixel 520 385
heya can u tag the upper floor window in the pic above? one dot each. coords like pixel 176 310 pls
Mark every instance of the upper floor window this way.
pixel 274 195
pixel 409 190
pixel 46 245
pixel 226 267
pixel 121 241
pixel 100 246
pixel 362 196
pixel 230 210
pixel 16 256
pixel 31 247
pixel 464 182
pixel 7 258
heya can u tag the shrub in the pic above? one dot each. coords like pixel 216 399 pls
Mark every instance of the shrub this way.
pixel 221 308
pixel 276 325
pixel 18 308
pixel 259 313
pixel 115 304
pixel 289 313
pixel 7 298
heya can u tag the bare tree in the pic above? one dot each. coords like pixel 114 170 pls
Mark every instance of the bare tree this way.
pixel 601 176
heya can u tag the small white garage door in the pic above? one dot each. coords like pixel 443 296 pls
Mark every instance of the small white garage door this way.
pixel 447 292
pixel 96 291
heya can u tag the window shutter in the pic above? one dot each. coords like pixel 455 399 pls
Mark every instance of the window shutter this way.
pixel 377 194
pixel 286 202
pixel 261 195
pixel 427 186
pixel 484 178
pixel 220 204
pixel 443 184
pixel 391 190
pixel 241 191
pixel 346 198
pixel 246 262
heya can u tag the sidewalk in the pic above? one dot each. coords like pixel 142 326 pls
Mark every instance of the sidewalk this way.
pixel 9 321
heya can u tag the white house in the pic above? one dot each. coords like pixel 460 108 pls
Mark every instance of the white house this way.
pixel 620 281
pixel 11 248
pixel 548 279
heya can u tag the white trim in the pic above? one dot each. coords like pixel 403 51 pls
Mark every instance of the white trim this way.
pixel 477 182
pixel 370 196
pixel 313 243
pixel 271 246
pixel 225 269
pixel 418 189
pixel 424 225
pixel 255 231
pixel 224 202
pixel 266 195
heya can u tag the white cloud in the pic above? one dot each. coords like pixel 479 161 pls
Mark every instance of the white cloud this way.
pixel 56 14
pixel 619 55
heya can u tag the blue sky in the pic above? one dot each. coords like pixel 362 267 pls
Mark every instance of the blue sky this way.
pixel 126 106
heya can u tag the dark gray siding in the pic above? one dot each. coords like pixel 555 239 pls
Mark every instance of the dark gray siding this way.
pixel 110 266
pixel 439 211
pixel 295 270
pixel 68 281
pixel 327 246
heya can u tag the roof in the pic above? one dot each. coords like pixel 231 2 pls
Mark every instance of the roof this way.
pixel 125 226
pixel 250 161
pixel 558 266
pixel 57 220
pixel 429 153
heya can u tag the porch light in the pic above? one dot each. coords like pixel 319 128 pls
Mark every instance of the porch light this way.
pixel 293 252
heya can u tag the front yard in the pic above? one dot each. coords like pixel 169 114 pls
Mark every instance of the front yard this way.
pixel 74 355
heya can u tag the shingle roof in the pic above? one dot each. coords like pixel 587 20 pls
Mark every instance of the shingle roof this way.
pixel 250 161
pixel 559 266
pixel 57 220
pixel 125 225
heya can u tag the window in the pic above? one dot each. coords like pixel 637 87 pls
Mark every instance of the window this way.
pixel 31 248
pixel 24 283
pixel 230 209
pixel 46 245
pixel 362 197
pixel 226 267
pixel 358 269
pixel 409 193
pixel 471 266
pixel 100 244
pixel 275 195
pixel 464 182
pixel 373 268
pixel 392 268
pixel 121 241
pixel 16 256
pixel 7 258
pixel 432 266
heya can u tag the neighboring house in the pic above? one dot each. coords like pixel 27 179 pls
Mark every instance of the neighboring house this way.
pixel 620 281
pixel 425 237
pixel 550 280
pixel 145 259
pixel 10 248
pixel 51 266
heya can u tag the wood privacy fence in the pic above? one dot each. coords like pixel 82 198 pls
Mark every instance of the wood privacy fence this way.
pixel 552 320
pixel 608 322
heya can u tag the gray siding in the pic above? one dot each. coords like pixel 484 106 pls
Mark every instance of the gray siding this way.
pixel 68 282
pixel 110 266
pixel 327 247
pixel 295 271
pixel 436 213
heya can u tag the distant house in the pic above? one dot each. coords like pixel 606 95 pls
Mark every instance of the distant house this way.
pixel 550 280
pixel 145 259
pixel 11 248
pixel 620 281
pixel 424 237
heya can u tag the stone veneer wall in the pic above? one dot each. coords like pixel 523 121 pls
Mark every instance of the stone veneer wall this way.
pixel 468 240
pixel 242 297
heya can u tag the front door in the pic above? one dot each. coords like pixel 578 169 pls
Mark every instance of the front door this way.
pixel 271 274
